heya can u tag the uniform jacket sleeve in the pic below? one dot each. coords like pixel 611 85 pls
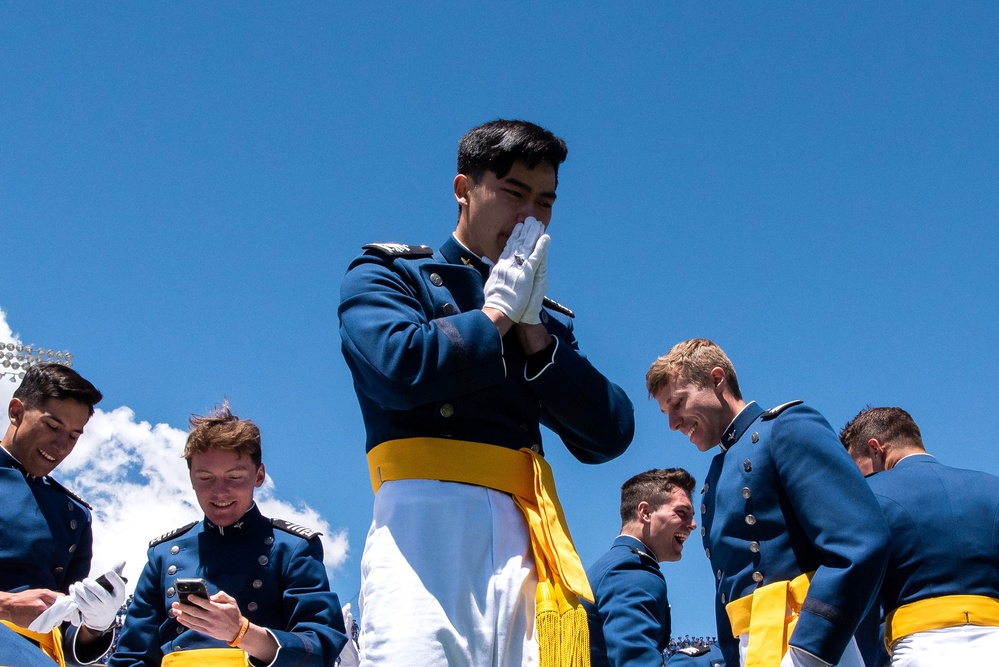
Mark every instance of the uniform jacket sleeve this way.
pixel 632 605
pixel 314 633
pixel 838 513
pixel 139 643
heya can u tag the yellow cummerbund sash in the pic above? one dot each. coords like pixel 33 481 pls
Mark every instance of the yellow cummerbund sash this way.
pixel 207 657
pixel 50 643
pixel 563 633
pixel 769 616
pixel 937 613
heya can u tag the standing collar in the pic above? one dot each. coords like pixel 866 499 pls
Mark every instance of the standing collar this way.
pixel 245 523
pixel 8 460
pixel 456 253
pixel 747 416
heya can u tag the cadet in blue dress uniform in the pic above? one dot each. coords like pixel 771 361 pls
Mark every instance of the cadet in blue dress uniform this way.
pixel 269 593
pixel 941 589
pixel 630 618
pixel 455 348
pixel 46 539
pixel 780 501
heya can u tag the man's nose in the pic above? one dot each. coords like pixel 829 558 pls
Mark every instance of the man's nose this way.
pixel 674 422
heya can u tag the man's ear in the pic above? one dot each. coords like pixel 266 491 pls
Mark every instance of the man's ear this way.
pixel 15 411
pixel 461 188
pixel 261 474
pixel 877 448
pixel 643 511
pixel 718 377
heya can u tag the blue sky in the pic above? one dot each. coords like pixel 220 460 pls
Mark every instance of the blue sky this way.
pixel 182 186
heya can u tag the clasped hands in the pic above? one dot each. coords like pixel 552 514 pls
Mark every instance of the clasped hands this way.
pixel 518 281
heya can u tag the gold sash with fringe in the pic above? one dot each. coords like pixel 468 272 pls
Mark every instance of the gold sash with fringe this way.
pixel 563 633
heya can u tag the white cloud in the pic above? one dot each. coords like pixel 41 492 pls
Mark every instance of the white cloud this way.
pixel 133 475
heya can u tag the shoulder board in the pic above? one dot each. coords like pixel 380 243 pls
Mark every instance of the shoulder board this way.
pixel 400 249
pixel 552 304
pixel 176 532
pixel 56 485
pixel 644 556
pixel 773 412
pixel 694 651
pixel 295 529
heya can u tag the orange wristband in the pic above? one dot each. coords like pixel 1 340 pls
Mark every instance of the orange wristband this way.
pixel 244 625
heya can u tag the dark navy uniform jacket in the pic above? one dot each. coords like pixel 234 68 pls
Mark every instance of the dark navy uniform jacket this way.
pixel 630 621
pixel 944 525
pixel 784 498
pixel 703 656
pixel 46 540
pixel 427 362
pixel 276 576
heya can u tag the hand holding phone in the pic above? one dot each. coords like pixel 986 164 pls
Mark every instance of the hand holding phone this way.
pixel 188 587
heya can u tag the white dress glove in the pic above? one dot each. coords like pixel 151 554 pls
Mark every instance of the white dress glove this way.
pixel 62 610
pixel 532 314
pixel 796 657
pixel 511 281
pixel 98 607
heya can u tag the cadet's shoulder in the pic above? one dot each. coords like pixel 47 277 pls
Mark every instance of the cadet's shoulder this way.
pixel 62 489
pixel 296 529
pixel 171 535
pixel 777 411
pixel 398 250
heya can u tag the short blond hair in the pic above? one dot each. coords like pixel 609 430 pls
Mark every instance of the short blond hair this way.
pixel 691 361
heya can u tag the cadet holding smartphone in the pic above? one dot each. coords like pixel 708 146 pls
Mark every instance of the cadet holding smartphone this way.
pixel 256 588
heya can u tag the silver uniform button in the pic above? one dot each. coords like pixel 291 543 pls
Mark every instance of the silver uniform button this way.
pixel 172 569
pixel 746 493
pixel 175 550
pixel 257 583
pixel 718 575
pixel 750 519
pixel 747 465
pixel 536 448
pixel 544 317
pixel 269 541
pixel 180 631
pixel 724 599
pixel 69 505
pixel 707 552
pixel 263 560
pixel 59 570
pixel 436 280
pixel 754 547
pixel 756 437
pixel 251 607
pixel 171 592
pixel 72 548
pixel 704 508
pixel 704 531
pixel 73 524
pixel 450 309
pixel 757 577
pixel 704 489
pixel 447 410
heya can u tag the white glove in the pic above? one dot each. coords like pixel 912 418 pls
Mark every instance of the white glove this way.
pixel 532 314
pixel 98 607
pixel 511 281
pixel 62 610
pixel 796 657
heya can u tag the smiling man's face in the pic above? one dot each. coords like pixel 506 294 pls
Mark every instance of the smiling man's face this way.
pixel 224 482
pixel 46 435
pixel 698 411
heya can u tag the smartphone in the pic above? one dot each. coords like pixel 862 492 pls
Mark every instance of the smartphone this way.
pixel 189 587
pixel 106 585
